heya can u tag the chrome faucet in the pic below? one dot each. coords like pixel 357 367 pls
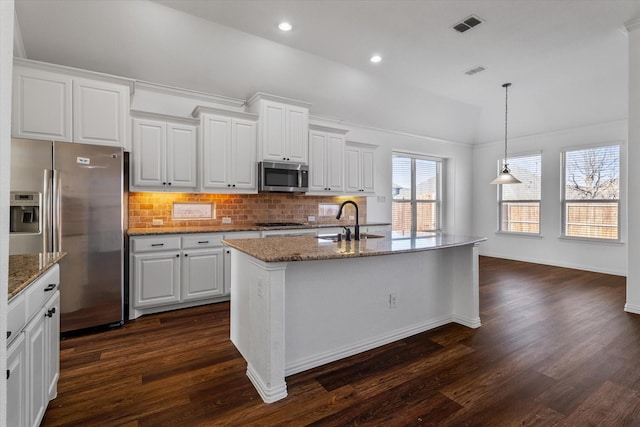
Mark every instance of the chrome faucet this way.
pixel 356 232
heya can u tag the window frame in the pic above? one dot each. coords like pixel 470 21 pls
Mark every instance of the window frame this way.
pixel 437 202
pixel 563 194
pixel 500 201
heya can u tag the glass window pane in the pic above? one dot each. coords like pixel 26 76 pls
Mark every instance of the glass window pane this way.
pixel 528 170
pixel 427 216
pixel 401 178
pixel 593 173
pixel 426 180
pixel 401 217
pixel 520 217
pixel 592 220
pixel 520 203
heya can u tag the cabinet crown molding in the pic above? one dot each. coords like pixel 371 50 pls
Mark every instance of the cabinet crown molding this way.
pixel 323 128
pixel 361 144
pixel 266 96
pixel 137 114
pixel 74 72
pixel 200 109
pixel 189 93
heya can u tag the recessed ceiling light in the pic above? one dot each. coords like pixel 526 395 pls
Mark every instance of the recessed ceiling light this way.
pixel 375 59
pixel 285 26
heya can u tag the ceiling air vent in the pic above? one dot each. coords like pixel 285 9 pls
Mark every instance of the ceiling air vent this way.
pixel 467 24
pixel 475 70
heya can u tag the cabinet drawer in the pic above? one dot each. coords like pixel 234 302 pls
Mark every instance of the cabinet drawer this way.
pixel 242 235
pixel 155 244
pixel 16 317
pixel 202 241
pixel 41 290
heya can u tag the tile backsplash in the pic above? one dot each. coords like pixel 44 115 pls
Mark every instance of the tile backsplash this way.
pixel 243 209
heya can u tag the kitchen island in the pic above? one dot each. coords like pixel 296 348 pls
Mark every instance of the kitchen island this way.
pixel 301 302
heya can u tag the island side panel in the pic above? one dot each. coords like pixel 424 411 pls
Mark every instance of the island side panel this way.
pixel 257 322
pixel 466 285
pixel 337 308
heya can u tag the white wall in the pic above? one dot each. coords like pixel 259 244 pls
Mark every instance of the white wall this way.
pixel 6 70
pixel 549 248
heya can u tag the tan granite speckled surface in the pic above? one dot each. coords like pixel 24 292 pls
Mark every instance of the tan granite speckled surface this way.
pixel 230 228
pixel 24 269
pixel 306 248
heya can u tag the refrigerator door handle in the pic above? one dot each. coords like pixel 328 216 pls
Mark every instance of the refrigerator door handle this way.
pixel 45 211
pixel 56 205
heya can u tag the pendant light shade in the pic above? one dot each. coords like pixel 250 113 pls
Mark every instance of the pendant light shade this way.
pixel 505 176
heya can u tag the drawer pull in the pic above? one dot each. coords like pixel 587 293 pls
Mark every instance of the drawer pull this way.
pixel 203 241
pixel 157 244
pixel 50 312
pixel 8 373
pixel 50 287
pixel 8 334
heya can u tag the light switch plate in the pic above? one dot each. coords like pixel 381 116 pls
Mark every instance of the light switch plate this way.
pixel 226 220
pixel 311 218
pixel 157 221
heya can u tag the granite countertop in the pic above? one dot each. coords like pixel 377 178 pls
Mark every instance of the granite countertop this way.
pixel 24 269
pixel 231 228
pixel 307 248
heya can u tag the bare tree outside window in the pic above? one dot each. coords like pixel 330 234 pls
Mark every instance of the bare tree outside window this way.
pixel 592 193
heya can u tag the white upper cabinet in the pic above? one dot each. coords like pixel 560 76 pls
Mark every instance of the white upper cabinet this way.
pixel 326 160
pixel 164 155
pixel 360 168
pixel 100 113
pixel 283 128
pixel 41 105
pixel 228 150
pixel 65 104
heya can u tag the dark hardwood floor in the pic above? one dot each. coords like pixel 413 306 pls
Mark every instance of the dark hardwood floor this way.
pixel 555 348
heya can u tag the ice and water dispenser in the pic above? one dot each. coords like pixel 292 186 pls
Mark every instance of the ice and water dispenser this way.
pixel 24 212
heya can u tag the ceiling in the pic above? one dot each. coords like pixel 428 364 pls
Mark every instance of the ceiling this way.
pixel 567 59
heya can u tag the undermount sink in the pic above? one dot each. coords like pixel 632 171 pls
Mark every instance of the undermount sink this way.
pixel 363 236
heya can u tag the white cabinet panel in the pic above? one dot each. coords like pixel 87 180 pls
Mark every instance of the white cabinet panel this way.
pixel 360 169
pixel 52 324
pixel 157 278
pixel 326 162
pixel 181 156
pixel 36 347
pixel 243 159
pixel 273 122
pixel 297 134
pixel 149 153
pixel 42 105
pixel 100 113
pixel 17 382
pixel 202 274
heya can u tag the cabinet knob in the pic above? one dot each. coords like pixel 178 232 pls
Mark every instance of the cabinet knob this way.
pixel 50 312
pixel 186 254
pixel 228 185
pixel 8 334
pixel 169 183
pixel 164 183
pixel 177 255
pixel 234 185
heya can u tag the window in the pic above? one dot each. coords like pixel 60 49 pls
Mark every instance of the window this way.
pixel 519 204
pixel 416 194
pixel 591 193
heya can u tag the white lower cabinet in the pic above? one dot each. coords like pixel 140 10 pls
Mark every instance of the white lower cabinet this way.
pixel 33 352
pixel 175 271
pixel 17 382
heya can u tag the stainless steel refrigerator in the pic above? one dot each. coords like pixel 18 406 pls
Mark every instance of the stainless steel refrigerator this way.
pixel 69 197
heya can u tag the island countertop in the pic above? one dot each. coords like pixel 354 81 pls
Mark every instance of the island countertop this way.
pixel 24 269
pixel 308 248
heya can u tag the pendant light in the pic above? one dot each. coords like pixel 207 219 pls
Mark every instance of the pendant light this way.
pixel 505 176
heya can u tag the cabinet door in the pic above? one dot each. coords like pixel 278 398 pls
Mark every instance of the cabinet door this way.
pixel 216 140
pixel 17 383
pixel 335 163
pixel 272 124
pixel 42 105
pixel 202 274
pixel 100 113
pixel 318 161
pixel 36 345
pixel 243 154
pixel 181 156
pixel 149 153
pixel 156 278
pixel 352 170
pixel 52 322
pixel 297 134
pixel 367 174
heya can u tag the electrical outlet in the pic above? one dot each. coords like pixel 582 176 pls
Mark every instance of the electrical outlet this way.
pixel 311 218
pixel 226 220
pixel 157 221
pixel 393 299
pixel 382 199
pixel 351 217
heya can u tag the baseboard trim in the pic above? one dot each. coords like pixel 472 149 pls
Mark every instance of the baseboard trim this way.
pixel 267 392
pixel 630 308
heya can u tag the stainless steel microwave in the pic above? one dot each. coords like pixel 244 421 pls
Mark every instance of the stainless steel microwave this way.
pixel 283 177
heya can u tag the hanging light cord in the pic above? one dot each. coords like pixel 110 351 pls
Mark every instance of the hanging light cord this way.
pixel 506 104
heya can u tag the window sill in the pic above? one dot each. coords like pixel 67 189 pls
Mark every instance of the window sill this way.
pixel 592 241
pixel 514 234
